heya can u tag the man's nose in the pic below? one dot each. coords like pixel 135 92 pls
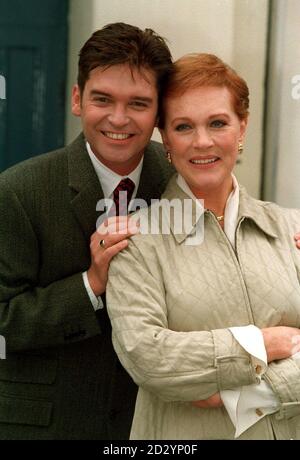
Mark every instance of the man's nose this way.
pixel 118 116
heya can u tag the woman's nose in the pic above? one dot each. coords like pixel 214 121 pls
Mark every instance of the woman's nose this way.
pixel 202 139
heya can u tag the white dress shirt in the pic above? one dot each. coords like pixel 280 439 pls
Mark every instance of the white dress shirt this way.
pixel 109 181
pixel 247 404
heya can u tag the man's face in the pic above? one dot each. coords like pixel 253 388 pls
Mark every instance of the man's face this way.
pixel 118 110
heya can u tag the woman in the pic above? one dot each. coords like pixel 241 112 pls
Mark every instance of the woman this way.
pixel 208 330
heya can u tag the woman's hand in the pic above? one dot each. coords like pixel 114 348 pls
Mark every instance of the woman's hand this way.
pixel 212 401
pixel 281 342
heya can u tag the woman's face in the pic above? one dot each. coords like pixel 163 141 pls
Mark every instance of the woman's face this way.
pixel 202 133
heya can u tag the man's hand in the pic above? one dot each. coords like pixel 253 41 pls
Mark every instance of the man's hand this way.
pixel 297 239
pixel 212 401
pixel 113 233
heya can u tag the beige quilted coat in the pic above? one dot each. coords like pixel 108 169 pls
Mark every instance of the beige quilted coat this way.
pixel 171 304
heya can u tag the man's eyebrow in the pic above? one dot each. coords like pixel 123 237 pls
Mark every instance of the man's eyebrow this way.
pixel 96 92
pixel 142 98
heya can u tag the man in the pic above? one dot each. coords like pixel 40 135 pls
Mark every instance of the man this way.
pixel 61 378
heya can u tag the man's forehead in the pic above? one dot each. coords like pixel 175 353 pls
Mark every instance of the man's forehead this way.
pixel 136 75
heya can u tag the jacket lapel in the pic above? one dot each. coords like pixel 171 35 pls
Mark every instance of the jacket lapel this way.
pixel 86 190
pixel 85 187
pixel 152 181
pixel 258 211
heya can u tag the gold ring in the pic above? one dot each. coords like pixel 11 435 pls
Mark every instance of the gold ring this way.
pixel 102 244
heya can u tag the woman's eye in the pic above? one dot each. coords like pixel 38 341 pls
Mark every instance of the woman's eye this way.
pixel 182 127
pixel 218 123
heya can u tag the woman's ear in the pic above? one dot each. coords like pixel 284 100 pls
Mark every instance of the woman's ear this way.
pixel 243 127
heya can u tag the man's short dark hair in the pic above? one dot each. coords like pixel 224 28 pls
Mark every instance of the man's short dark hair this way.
pixel 121 43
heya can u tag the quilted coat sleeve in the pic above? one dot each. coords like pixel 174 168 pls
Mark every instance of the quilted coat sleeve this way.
pixel 284 375
pixel 177 366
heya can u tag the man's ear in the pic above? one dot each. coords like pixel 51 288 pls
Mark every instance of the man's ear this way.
pixel 164 139
pixel 76 101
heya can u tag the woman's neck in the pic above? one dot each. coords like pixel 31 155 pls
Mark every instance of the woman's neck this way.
pixel 215 199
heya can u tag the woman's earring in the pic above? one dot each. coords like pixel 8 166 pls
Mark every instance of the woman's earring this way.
pixel 240 148
pixel 168 155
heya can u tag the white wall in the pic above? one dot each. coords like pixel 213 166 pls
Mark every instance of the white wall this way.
pixel 235 30
pixel 284 130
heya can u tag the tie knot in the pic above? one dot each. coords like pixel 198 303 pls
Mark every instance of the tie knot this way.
pixel 126 185
pixel 122 196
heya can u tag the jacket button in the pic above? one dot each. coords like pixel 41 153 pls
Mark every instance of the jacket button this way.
pixel 259 412
pixel 258 369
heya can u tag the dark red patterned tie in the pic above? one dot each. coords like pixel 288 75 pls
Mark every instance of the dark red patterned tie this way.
pixel 122 196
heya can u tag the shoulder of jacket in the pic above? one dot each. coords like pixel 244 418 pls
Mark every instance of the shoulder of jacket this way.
pixel 34 170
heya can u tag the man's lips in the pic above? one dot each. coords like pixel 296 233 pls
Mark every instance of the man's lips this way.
pixel 116 136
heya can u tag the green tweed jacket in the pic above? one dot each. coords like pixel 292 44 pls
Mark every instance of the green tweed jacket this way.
pixel 61 378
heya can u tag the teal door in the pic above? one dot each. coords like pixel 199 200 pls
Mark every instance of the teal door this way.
pixel 33 45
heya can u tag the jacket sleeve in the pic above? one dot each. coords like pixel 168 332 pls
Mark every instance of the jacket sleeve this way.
pixel 177 366
pixel 284 378
pixel 284 375
pixel 32 316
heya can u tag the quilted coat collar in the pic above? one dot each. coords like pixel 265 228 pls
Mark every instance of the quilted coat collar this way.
pixel 249 208
pixel 258 211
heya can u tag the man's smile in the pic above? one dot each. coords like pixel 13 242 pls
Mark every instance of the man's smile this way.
pixel 116 136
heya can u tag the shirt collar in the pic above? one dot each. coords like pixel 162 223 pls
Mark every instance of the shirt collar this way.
pixel 232 211
pixel 109 179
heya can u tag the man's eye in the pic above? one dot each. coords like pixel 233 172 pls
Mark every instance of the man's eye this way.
pixel 182 127
pixel 218 123
pixel 101 99
pixel 139 104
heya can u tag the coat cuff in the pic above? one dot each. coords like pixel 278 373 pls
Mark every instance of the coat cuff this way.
pixel 233 364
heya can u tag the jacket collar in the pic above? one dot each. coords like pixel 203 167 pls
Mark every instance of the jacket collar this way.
pixel 192 214
pixel 152 180
pixel 249 208
pixel 87 191
pixel 84 184
pixel 257 211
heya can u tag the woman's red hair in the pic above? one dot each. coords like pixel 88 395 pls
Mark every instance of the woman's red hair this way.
pixel 197 70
